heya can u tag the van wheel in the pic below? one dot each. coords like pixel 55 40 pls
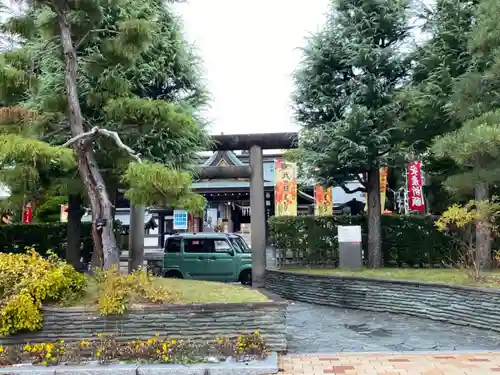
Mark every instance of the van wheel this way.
pixel 173 275
pixel 246 277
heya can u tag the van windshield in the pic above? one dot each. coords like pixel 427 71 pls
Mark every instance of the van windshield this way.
pixel 240 244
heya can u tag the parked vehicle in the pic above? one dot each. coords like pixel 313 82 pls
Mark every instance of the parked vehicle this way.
pixel 208 256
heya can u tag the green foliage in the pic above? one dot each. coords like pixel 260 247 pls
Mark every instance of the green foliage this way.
pixel 129 52
pixel 15 238
pixel 16 149
pixel 425 101
pixel 406 240
pixel 50 210
pixel 345 89
pixel 477 140
pixel 26 282
pixel 153 183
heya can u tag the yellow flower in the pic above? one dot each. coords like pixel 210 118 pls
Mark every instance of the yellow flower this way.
pixel 174 342
pixel 164 347
pixel 1 349
pixel 98 354
pixel 256 332
pixel 61 342
pixel 158 351
pixel 150 342
pixel 48 355
pixel 99 335
pixel 44 363
pixel 27 348
pixel 157 334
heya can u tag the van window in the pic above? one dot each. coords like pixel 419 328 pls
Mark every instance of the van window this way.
pixel 198 245
pixel 173 245
pixel 221 246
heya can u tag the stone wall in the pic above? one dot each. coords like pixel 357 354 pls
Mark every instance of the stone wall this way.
pixel 477 307
pixel 195 322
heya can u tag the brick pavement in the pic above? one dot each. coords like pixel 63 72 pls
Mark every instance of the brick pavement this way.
pixel 391 364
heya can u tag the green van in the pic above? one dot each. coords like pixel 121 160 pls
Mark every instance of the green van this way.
pixel 208 256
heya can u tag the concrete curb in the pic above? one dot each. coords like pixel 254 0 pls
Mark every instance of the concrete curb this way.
pixel 267 366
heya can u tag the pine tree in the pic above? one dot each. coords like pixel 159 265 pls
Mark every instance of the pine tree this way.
pixel 425 100
pixel 345 89
pixel 90 65
pixel 474 101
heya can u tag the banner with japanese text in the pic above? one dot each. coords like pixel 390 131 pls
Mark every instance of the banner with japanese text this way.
pixel 285 190
pixel 323 201
pixel 383 187
pixel 415 195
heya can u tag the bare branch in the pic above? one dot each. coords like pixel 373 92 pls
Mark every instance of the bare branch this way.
pixel 107 133
pixel 349 191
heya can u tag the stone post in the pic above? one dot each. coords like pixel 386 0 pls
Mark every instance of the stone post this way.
pixel 258 217
pixel 136 237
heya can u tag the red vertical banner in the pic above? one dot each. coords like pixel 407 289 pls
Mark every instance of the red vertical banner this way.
pixel 27 214
pixel 415 196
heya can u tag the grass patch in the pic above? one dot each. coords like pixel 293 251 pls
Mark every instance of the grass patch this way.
pixel 490 279
pixel 188 292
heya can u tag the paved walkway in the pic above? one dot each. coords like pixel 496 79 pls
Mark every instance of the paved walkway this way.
pixel 392 364
pixel 320 329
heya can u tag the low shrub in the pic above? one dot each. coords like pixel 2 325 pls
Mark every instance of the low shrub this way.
pixel 106 349
pixel 406 240
pixel 117 291
pixel 29 280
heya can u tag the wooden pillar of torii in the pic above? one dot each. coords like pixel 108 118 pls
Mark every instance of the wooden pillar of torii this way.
pixel 255 143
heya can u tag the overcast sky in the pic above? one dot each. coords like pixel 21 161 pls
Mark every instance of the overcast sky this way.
pixel 250 49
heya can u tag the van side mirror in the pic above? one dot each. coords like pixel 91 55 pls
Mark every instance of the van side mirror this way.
pixel 231 252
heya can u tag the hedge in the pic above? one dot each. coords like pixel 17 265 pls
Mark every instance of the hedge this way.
pixel 15 238
pixel 406 240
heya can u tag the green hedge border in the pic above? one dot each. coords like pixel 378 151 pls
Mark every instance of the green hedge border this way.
pixel 406 240
pixel 43 237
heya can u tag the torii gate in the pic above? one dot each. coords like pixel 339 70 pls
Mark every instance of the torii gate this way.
pixel 255 143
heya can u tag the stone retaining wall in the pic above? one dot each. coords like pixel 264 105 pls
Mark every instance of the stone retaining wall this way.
pixel 195 322
pixel 477 307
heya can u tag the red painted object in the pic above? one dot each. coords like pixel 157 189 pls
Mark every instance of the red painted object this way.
pixel 415 196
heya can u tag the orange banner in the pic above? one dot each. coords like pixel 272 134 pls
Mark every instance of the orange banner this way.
pixel 323 201
pixel 285 190
pixel 383 187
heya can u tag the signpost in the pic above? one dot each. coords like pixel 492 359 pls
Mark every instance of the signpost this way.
pixel 350 252
pixel 180 220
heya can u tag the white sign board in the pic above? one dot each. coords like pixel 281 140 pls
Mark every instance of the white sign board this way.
pixel 349 233
pixel 180 220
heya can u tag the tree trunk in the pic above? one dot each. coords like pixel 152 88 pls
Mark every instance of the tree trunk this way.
pixel 374 213
pixel 105 249
pixel 75 213
pixel 483 235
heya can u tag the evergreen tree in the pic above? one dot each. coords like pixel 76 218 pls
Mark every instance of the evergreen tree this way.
pixel 425 100
pixel 113 57
pixel 475 145
pixel 345 90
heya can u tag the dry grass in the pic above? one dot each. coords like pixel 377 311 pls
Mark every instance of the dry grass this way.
pixel 490 279
pixel 192 292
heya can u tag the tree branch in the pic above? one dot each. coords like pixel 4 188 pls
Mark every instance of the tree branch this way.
pixel 349 191
pixel 360 179
pixel 80 42
pixel 107 133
